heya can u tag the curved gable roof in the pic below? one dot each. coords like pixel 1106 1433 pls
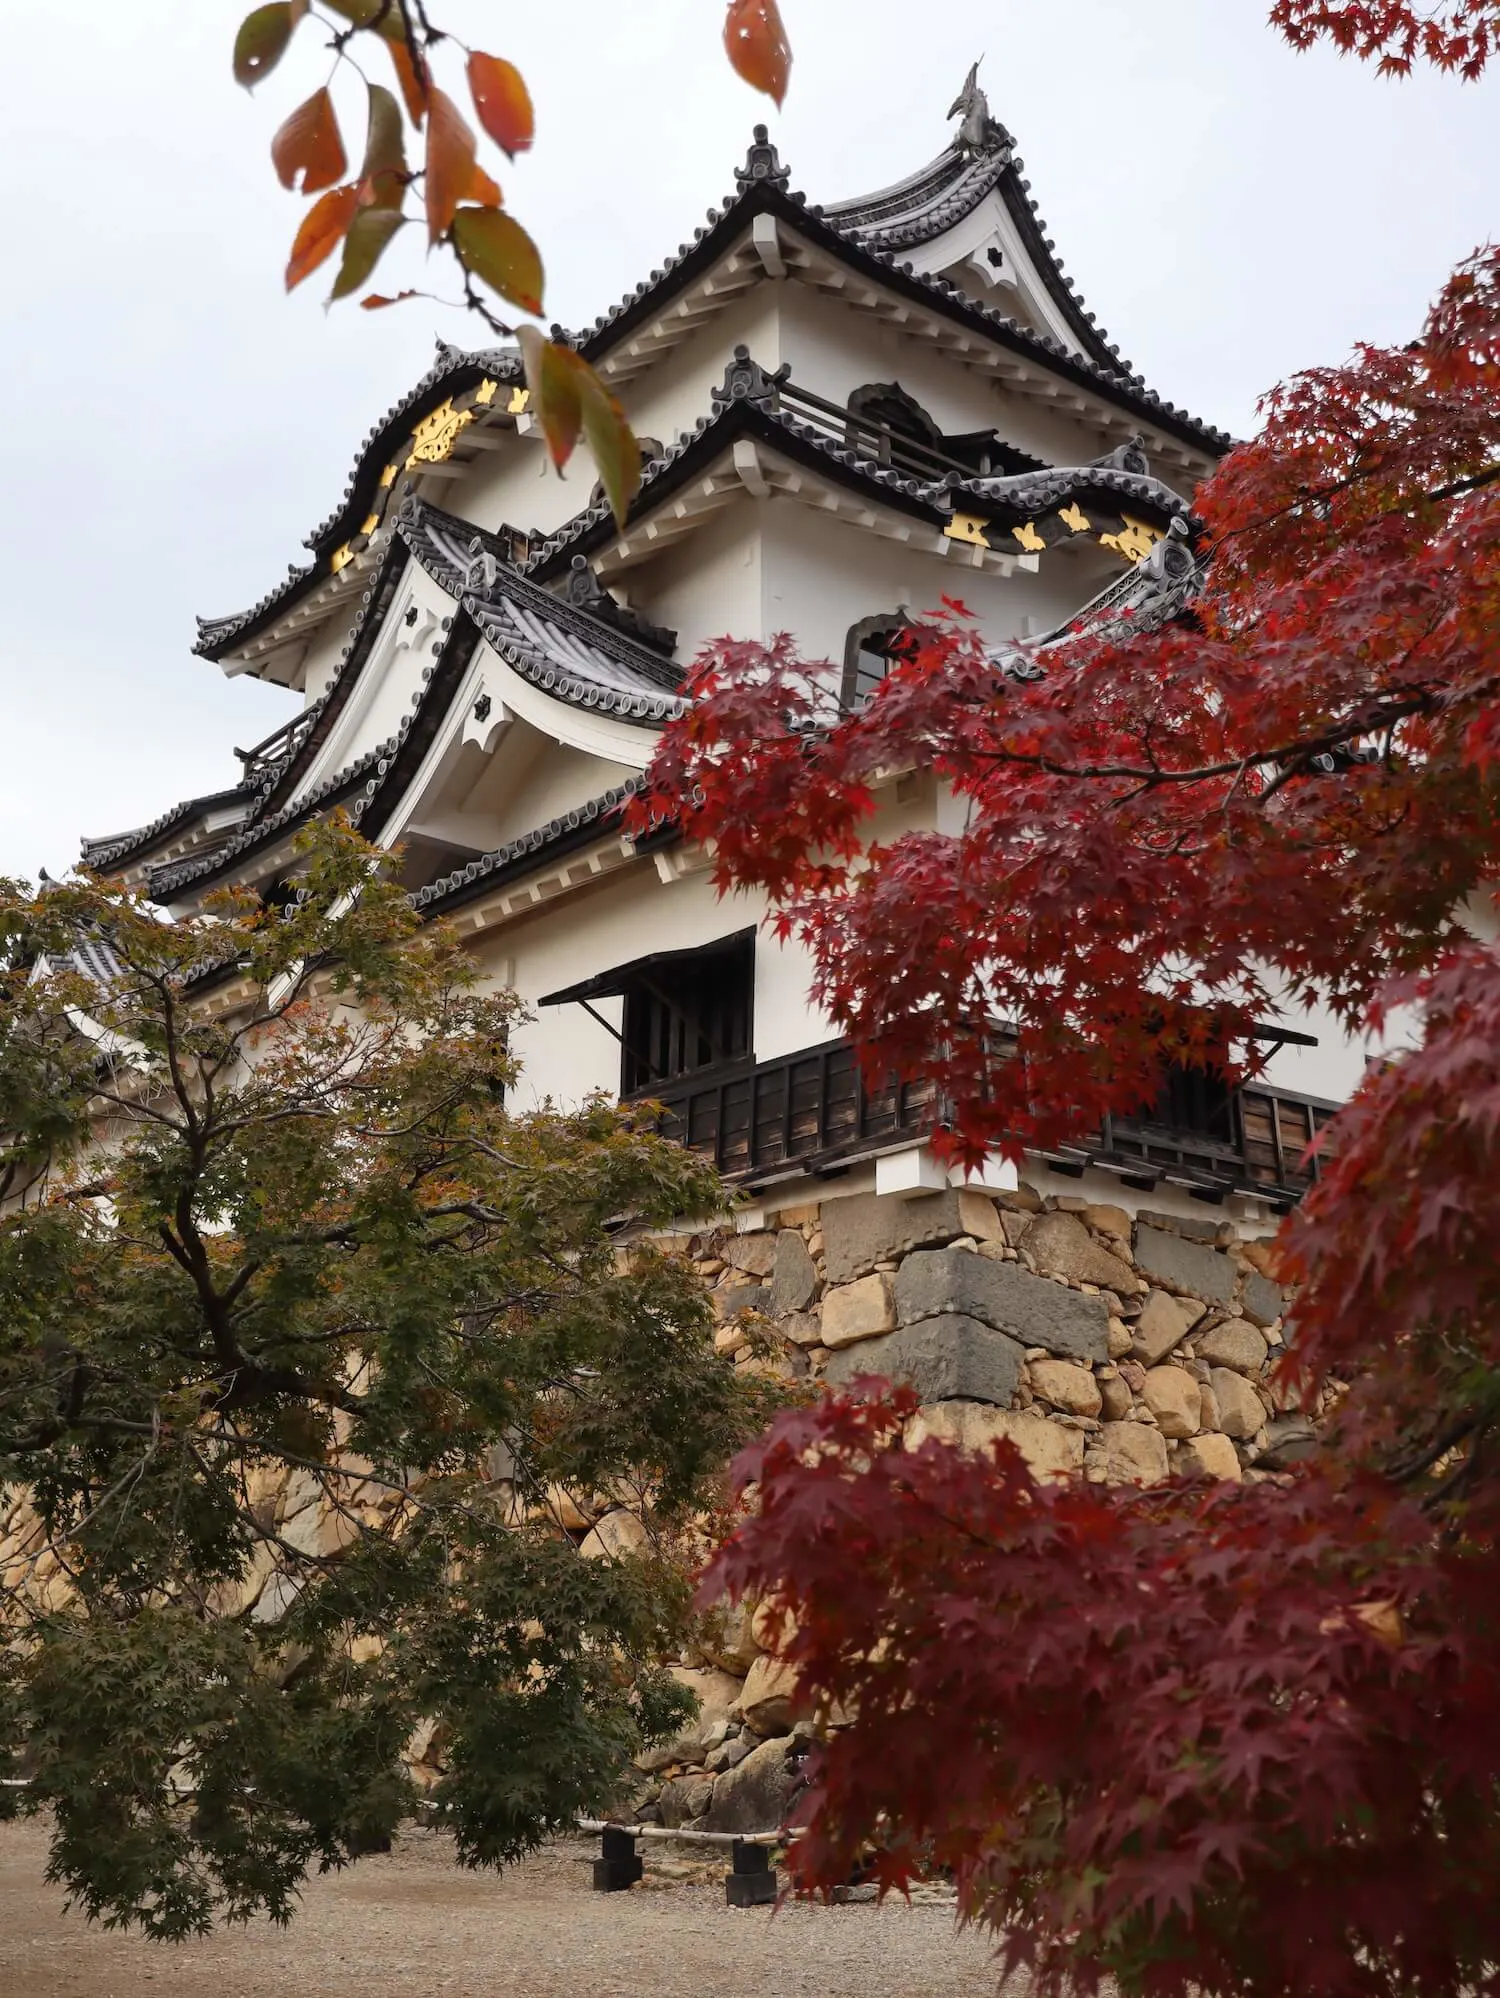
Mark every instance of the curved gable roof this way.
pixel 937 198
pixel 867 233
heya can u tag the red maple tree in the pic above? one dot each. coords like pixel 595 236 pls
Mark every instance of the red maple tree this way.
pixel 1201 1738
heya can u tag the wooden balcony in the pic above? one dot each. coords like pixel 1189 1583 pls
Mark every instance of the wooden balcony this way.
pixel 762 1120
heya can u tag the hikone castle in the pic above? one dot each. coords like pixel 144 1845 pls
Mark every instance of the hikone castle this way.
pixel 846 411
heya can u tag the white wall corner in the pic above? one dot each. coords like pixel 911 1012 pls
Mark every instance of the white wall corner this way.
pixel 917 1170
pixel 996 1175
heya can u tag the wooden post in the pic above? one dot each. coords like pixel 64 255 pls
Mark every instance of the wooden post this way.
pixel 752 1884
pixel 619 1865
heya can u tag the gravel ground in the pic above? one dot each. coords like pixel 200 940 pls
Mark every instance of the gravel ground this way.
pixel 412 1924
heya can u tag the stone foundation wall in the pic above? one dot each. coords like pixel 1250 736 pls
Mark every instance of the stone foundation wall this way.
pixel 1129 1348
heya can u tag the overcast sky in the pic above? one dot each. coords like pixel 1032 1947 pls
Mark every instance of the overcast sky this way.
pixel 175 425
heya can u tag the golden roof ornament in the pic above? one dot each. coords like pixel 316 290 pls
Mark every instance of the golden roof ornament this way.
pixel 433 439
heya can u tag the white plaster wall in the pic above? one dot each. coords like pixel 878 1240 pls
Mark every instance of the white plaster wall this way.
pixel 672 394
pixel 564 1053
pixel 960 248
pixel 321 660
pixel 533 780
pixel 822 575
pixel 515 483
pixel 709 585
pixel 834 349
pixel 390 677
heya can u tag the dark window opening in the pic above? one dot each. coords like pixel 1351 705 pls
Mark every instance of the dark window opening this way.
pixel 684 1010
pixel 1196 1100
pixel 694 1012
pixel 873 646
pixel 281 893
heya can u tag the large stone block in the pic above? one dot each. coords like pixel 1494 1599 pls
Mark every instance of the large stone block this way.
pixel 1066 1385
pixel 794 1275
pixel 1188 1226
pixel 1264 1301
pixel 872 1228
pixel 1034 1311
pixel 768 1699
pixel 859 1310
pixel 1108 1220
pixel 1189 1266
pixel 1172 1397
pixel 979 1217
pixel 1061 1246
pixel 1164 1322
pixel 1050 1449
pixel 1235 1343
pixel 1292 1439
pixel 757 1795
pixel 754 1254
pixel 618 1535
pixel 1210 1457
pixel 1241 1411
pixel 1132 1453
pixel 730 1299
pixel 726 1638
pixel 685 1800
pixel 803 1328
pixel 947 1358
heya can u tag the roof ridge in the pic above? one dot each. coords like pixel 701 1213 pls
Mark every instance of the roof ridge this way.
pixel 110 847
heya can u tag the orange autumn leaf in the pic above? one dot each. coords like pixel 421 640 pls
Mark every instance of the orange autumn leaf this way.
pixel 450 163
pixel 413 89
pixel 502 101
pixel 377 301
pixel 554 392
pixel 483 190
pixel 567 398
pixel 323 226
pixel 758 47
pixel 309 144
pixel 369 233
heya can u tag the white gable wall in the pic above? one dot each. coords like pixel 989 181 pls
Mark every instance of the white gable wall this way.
pixel 390 678
pixel 834 349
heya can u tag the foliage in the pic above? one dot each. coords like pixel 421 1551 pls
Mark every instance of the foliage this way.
pixel 1461 35
pixel 271 1229
pixel 1200 1738
pixel 462 206
pixel 1240 1739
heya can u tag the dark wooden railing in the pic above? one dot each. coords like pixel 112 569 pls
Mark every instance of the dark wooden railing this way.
pixel 986 455
pixel 278 744
pixel 812 1108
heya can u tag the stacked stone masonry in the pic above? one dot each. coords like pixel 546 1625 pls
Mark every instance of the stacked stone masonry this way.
pixel 1125 1348
pixel 1128 1349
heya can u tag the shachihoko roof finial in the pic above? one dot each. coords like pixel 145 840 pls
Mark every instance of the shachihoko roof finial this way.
pixel 979 132
pixel 762 162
